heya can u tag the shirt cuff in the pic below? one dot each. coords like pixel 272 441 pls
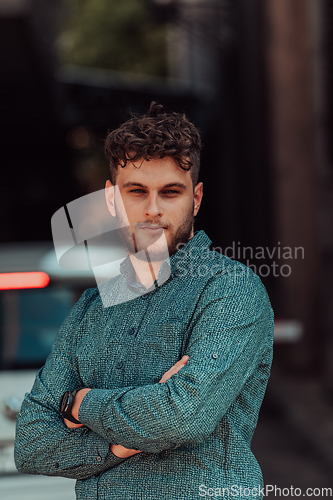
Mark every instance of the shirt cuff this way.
pixel 102 454
pixel 90 457
pixel 91 409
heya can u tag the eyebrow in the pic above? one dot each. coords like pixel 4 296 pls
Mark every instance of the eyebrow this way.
pixel 180 185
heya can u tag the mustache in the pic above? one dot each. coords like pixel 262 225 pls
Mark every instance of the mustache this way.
pixel 142 225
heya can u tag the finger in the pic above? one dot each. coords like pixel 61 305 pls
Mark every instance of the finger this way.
pixel 181 362
pixel 71 425
pixel 121 452
pixel 174 369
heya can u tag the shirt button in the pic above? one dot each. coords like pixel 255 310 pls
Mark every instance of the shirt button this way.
pixel 144 296
pixel 215 356
pixel 119 365
pixel 176 274
pixel 56 465
pixel 99 458
pixel 131 331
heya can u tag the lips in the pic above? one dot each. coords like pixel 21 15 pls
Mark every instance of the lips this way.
pixel 152 227
pixel 153 230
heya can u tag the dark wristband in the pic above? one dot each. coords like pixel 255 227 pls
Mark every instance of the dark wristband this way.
pixel 66 406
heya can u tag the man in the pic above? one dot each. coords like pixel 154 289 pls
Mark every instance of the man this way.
pixel 170 383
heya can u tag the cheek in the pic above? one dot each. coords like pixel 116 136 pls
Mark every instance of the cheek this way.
pixel 181 218
pixel 186 211
pixel 127 212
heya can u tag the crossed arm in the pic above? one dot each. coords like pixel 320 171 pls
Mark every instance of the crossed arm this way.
pixel 119 450
pixel 237 326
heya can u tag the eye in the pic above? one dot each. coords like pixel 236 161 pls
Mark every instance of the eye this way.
pixel 138 190
pixel 170 191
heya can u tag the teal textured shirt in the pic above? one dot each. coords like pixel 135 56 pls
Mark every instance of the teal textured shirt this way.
pixel 195 430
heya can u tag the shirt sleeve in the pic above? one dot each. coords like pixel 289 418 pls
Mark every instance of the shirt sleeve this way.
pixel 43 444
pixel 231 334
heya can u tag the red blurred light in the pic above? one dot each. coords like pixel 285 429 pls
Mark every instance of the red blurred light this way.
pixel 15 281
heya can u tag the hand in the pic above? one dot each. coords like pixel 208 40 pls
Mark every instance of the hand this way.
pixel 78 398
pixel 174 369
pixel 71 425
pixel 121 451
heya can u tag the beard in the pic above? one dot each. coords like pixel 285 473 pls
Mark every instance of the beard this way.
pixel 140 244
pixel 182 234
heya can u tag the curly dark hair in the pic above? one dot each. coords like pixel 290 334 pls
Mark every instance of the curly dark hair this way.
pixel 157 134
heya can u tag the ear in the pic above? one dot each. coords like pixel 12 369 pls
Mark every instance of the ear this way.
pixel 198 193
pixel 109 196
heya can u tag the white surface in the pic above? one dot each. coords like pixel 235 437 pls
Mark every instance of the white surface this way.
pixel 7 460
pixel 23 486
pixel 26 487
pixel 12 383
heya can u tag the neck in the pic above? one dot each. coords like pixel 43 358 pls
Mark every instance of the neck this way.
pixel 146 270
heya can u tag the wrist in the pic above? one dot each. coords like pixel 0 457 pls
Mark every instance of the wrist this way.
pixel 77 402
pixel 70 406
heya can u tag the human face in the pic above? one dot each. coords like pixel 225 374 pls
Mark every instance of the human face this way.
pixel 158 198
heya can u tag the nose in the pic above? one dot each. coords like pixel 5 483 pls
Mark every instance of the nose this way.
pixel 153 209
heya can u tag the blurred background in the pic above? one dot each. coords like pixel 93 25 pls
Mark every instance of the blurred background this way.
pixel 256 78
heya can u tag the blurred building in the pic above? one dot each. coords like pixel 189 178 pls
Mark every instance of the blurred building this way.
pixel 256 78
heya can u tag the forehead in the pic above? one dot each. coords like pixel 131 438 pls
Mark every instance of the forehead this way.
pixel 153 173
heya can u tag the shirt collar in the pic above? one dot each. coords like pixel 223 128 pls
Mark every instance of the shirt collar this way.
pixel 189 253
